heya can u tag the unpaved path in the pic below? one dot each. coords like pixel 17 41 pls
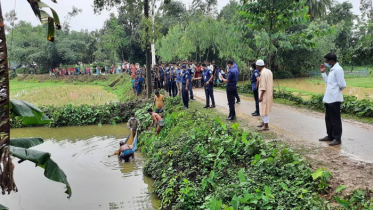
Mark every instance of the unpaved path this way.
pixel 351 163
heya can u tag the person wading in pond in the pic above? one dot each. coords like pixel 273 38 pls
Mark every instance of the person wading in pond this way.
pixel 208 77
pixel 265 94
pixel 125 152
pixel 254 86
pixel 133 124
pixel 333 98
pixel 157 121
pixel 159 103
pixel 185 80
pixel 231 88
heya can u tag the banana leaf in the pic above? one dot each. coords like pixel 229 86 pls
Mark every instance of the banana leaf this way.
pixel 26 142
pixel 28 113
pixel 3 207
pixel 42 159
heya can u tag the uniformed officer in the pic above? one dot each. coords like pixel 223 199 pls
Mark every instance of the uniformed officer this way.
pixel 190 86
pixel 208 76
pixel 161 76
pixel 185 80
pixel 231 88
pixel 173 81
pixel 168 80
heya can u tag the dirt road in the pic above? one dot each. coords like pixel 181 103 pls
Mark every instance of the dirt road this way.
pixel 305 125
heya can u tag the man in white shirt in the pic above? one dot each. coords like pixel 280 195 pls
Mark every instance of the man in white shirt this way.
pixel 333 98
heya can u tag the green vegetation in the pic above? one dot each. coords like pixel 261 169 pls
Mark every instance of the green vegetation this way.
pixel 198 161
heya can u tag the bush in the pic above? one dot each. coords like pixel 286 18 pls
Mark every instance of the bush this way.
pixel 12 74
pixel 201 163
pixel 282 75
pixel 69 115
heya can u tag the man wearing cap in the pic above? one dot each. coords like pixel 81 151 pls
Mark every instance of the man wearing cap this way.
pixel 231 88
pixel 185 80
pixel 265 94
pixel 208 77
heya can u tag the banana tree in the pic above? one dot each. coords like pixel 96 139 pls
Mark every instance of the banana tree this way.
pixel 7 183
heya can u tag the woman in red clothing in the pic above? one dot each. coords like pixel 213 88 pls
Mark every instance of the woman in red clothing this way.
pixel 198 77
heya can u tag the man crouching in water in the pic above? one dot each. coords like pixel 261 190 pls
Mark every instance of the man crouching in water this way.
pixel 125 152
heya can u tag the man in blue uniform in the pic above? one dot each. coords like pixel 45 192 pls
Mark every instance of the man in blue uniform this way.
pixel 168 80
pixel 173 82
pixel 208 76
pixel 185 80
pixel 231 88
pixel 161 76
pixel 236 93
pixel 190 86
pixel 254 86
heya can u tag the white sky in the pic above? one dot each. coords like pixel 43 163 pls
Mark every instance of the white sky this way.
pixel 87 19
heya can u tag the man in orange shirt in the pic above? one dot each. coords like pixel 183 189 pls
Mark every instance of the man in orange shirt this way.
pixel 159 103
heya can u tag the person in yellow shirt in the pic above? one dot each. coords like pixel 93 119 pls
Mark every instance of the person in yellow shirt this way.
pixel 159 103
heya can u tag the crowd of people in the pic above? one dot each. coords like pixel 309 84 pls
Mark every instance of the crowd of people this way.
pixel 180 78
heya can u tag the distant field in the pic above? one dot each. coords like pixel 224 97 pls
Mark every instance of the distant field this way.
pixel 59 93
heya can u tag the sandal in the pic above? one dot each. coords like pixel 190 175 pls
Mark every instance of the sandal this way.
pixel 263 129
pixel 260 125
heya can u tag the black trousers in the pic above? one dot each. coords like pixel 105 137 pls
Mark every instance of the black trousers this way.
pixel 161 81
pixel 209 92
pixel 333 120
pixel 185 95
pixel 174 88
pixel 169 88
pixel 231 95
pixel 190 88
pixel 256 97
pixel 236 95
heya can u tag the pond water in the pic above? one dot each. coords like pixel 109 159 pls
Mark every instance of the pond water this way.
pixel 97 181
pixel 304 84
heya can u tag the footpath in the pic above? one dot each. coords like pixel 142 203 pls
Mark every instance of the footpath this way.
pixel 351 162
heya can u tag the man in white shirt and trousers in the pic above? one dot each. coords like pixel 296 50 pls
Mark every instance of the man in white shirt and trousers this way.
pixel 333 98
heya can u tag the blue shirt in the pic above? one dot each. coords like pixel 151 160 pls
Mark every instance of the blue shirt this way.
pixel 161 72
pixel 232 76
pixel 206 74
pixel 185 76
pixel 178 76
pixel 168 74
pixel 191 74
pixel 253 79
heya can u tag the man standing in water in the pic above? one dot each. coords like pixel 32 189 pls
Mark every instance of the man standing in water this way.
pixel 125 152
pixel 133 123
pixel 157 121
pixel 231 88
pixel 333 98
pixel 265 94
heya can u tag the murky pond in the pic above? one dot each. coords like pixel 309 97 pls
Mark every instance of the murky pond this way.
pixel 303 84
pixel 97 181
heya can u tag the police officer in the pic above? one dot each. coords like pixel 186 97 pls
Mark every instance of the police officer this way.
pixel 190 86
pixel 161 76
pixel 231 88
pixel 254 86
pixel 173 81
pixel 168 80
pixel 208 76
pixel 185 80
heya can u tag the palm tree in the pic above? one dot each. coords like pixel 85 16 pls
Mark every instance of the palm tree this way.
pixel 7 183
pixel 318 8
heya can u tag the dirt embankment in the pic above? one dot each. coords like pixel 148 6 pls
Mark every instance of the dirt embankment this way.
pixel 67 79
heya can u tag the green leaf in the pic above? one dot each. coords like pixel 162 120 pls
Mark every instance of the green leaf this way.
pixel 26 142
pixel 235 126
pixel 345 204
pixel 244 140
pixel 284 186
pixel 28 113
pixel 235 202
pixel 340 188
pixel 42 159
pixel 215 204
pixel 317 174
pixel 268 192
pixel 241 175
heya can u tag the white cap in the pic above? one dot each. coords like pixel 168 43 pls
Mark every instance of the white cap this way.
pixel 260 63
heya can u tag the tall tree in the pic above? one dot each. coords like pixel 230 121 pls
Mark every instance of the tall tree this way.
pixel 318 8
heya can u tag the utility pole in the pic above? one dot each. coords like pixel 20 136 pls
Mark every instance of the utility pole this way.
pixel 153 41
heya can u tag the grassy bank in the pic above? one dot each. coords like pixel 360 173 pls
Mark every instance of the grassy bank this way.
pixel 200 162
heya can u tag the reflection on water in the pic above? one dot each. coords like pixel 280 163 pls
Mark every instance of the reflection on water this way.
pixel 319 87
pixel 97 181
